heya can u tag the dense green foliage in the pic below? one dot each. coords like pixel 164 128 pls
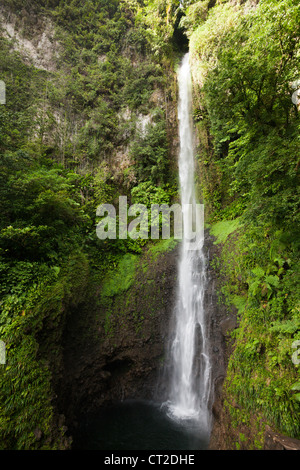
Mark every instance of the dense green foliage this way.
pixel 93 124
pixel 245 59
pixel 71 137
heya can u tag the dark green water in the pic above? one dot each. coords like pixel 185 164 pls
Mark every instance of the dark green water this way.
pixel 136 425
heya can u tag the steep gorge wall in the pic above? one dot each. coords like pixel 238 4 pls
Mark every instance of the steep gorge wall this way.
pixel 82 112
pixel 236 171
pixel 109 345
pixel 114 350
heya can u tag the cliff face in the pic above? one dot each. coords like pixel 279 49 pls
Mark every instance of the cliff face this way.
pixel 260 388
pixel 230 431
pixel 116 352
pixel 95 86
pixel 91 109
pixel 40 48
pixel 114 349
pixel 91 114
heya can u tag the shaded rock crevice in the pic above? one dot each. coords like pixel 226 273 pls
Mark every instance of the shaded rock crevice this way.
pixel 102 368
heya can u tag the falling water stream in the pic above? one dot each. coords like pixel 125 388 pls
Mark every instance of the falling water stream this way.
pixel 190 365
pixel 183 420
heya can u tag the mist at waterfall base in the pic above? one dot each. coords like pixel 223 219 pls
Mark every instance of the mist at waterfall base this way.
pixel 137 425
pixel 183 421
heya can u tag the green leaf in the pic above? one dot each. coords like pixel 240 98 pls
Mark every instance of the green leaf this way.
pixel 259 272
pixel 297 396
pixel 273 280
pixel 56 269
pixel 296 386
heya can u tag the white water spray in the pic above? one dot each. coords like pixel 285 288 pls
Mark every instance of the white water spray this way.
pixel 190 364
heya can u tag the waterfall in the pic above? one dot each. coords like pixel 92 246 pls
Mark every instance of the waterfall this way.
pixel 190 368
